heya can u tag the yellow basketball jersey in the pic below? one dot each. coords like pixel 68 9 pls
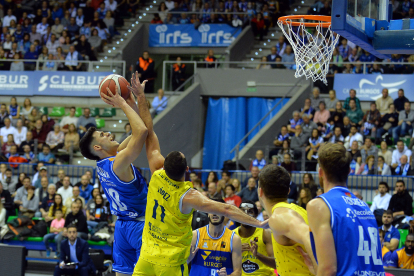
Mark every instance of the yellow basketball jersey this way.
pixel 167 235
pixel 250 264
pixel 289 262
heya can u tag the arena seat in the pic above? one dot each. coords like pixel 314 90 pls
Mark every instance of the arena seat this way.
pixel 403 237
pixel 94 111
pixel 44 110
pixel 100 123
pixel 57 111
pixel 108 112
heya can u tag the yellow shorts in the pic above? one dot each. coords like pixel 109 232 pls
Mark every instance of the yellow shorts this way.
pixel 144 268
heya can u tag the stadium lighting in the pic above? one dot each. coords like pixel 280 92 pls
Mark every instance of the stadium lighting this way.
pixel 114 125
pixel 273 34
pixel 264 44
pixel 252 59
pixel 136 22
pixel 296 10
pixel 129 30
pixel 120 121
pixel 133 25
pixel 114 70
pixel 106 57
pixel 154 2
pixel 122 39
pixel 125 34
pixel 260 49
pixel 101 60
pixel 151 6
pixel 97 67
pixel 109 51
pixel 140 17
pixel 256 53
pixel 145 14
pixel 303 2
pixel 79 162
pixel 147 9
pixel 117 42
pixel 113 48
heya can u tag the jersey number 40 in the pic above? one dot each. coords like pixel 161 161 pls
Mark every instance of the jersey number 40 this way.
pixel 364 246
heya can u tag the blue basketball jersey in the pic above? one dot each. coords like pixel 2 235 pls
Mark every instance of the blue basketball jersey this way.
pixel 355 232
pixel 128 200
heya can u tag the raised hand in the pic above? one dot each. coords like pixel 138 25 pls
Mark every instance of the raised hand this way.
pixel 222 272
pixel 253 248
pixel 113 99
pixel 136 87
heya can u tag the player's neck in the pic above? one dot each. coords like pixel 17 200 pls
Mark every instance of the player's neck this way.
pixel 328 185
pixel 215 231
pixel 246 231
pixel 268 205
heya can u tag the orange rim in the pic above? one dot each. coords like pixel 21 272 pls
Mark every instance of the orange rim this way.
pixel 288 20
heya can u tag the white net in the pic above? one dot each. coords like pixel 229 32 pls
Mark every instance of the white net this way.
pixel 312 51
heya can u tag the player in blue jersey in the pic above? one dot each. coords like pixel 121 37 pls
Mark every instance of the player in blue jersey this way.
pixel 344 232
pixel 123 185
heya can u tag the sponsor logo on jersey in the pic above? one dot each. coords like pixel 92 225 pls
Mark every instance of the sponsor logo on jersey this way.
pixel 256 239
pixel 365 214
pixel 369 273
pixel 205 245
pixel 207 253
pixel 350 214
pixel 348 194
pixel 223 244
pixel 353 201
pixel 102 172
pixel 249 266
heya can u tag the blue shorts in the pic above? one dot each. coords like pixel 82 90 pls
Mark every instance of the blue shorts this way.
pixel 127 245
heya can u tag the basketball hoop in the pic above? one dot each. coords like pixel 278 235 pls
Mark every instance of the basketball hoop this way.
pixel 312 51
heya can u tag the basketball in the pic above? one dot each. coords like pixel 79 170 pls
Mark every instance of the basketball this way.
pixel 112 81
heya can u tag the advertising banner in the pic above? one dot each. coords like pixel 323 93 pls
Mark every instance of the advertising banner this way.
pixel 57 83
pixel 369 87
pixel 185 35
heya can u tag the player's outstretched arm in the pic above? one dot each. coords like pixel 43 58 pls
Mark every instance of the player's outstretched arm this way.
pixel 195 200
pixel 125 157
pixel 319 217
pixel 152 145
pixel 288 223
pixel 236 256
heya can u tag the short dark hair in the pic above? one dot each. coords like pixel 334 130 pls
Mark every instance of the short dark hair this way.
pixel 72 107
pixel 26 177
pixel 60 210
pixel 231 186
pixel 45 146
pixel 353 100
pixel 72 226
pixel 388 212
pixel 400 181
pixel 274 180
pixel 85 145
pixel 8 170
pixel 334 161
pixel 384 183
pixel 175 165
pixel 255 210
pixel 226 172
pixel 399 141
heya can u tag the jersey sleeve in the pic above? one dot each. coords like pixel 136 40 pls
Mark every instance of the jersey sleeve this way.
pixel 391 260
pixel 395 235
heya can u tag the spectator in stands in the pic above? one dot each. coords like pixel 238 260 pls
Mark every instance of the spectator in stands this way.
pixel 75 195
pixel 231 198
pixel 254 173
pixel 308 182
pixel 48 123
pixel 32 118
pixel 210 59
pixel 85 121
pixel 41 191
pixel 52 44
pixel 9 17
pixel 9 143
pixel 298 140
pixel 383 168
pixel 388 122
pixel 337 135
pixel 281 45
pixel 308 125
pixel 97 212
pixel 58 27
pixel 287 163
pixel 399 152
pixel 331 102
pixel 272 56
pixel 258 26
pixel 263 64
pixel 42 174
pixel 402 258
pixel 95 41
pixel 46 156
pixel 353 136
pixel 10 181
pixel 21 132
pixel 17 65
pixel 85 29
pixel 304 197
pixel 34 35
pixel 41 28
pixel 355 152
pixel 401 202
pixel 6 204
pixel 322 115
pixel 85 188
pixel 212 191
pixel 283 135
pixel 236 184
pixel 405 122
pixel 27 108
pixel 371 121
pixel 55 138
pixel 72 60
pixel 47 201
pixel 56 227
pixel 307 109
pixel 295 121
pixel 284 150
pixel 384 102
pixel 381 201
pixel 145 68
pixel 66 190
pixel 28 142
pixel 315 141
pixel 160 102
pixel 22 191
pixel 354 114
pixel 72 138
pixel 73 28
pixel 32 54
pixel 259 162
pixel 250 191
pixel 400 101
pixel 3 115
pixel 367 168
pixel 30 203
pixel 352 95
pixel 77 218
pixel 392 235
pixel 288 57
pixel 178 75
pixel 61 174
pixel 128 132
pixel 368 149
pixel 316 99
pixel 6 130
pixel 28 154
pixel 404 168
pixel 67 120
pixel 57 205
pixel 50 65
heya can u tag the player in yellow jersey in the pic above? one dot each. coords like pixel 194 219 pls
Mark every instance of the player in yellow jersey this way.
pixel 288 222
pixel 256 245
pixel 170 203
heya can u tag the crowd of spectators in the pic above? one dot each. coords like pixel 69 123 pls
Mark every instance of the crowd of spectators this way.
pixel 60 33
pixel 21 126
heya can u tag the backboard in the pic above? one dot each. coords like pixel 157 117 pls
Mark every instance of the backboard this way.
pixel 369 24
